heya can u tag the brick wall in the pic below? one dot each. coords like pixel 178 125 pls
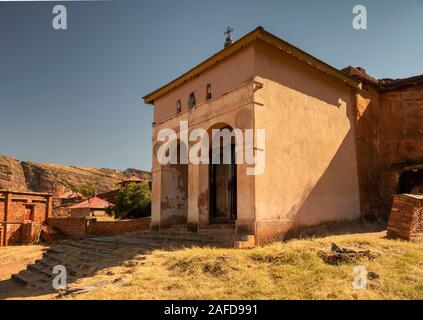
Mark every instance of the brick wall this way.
pixel 19 209
pixel 14 205
pixel 389 127
pixel 13 233
pixel 1 209
pixel 79 228
pixel 18 233
pixel 406 219
pixel 111 228
pixel 74 228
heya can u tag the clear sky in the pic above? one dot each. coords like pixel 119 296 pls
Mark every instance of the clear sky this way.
pixel 75 96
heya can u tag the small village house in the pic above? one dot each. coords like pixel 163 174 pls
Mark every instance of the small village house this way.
pixel 131 180
pixel 70 197
pixel 93 207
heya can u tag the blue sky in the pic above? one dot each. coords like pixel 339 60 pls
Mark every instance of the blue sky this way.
pixel 75 96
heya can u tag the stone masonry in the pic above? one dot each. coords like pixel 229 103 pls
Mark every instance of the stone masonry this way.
pixel 406 220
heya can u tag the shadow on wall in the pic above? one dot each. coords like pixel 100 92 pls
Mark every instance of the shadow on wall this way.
pixel 334 195
pixel 339 201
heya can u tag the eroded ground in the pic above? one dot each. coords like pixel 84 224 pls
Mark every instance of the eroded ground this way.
pixel 291 270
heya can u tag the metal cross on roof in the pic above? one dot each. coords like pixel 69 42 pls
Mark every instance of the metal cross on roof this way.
pixel 227 33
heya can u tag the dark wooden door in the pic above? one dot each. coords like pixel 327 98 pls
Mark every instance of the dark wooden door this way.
pixel 223 189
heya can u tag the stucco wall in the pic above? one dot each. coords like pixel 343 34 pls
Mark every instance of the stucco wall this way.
pixel 174 194
pixel 228 74
pixel 367 125
pixel 311 167
pixel 311 162
pixel 215 113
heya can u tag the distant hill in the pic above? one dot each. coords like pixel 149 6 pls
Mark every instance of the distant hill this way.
pixel 56 179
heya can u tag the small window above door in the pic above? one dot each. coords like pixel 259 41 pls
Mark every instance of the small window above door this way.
pixel 208 92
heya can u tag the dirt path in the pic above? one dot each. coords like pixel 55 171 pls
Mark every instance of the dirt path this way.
pixel 12 260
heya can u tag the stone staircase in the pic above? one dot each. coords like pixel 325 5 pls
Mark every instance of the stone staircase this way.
pixel 221 236
pixel 85 257
pixel 81 259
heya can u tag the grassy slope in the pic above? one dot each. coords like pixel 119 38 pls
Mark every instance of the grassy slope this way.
pixel 290 270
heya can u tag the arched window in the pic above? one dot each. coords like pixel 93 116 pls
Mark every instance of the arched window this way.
pixel 191 100
pixel 208 92
pixel 178 106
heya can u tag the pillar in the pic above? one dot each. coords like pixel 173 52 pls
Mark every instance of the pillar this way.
pixel 48 207
pixel 193 196
pixel 245 223
pixel 7 201
pixel 156 200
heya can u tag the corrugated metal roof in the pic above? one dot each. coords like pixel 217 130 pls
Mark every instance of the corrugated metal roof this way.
pixel 93 203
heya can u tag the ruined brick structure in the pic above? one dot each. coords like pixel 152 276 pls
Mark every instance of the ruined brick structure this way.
pixel 406 219
pixel 339 143
pixel 389 135
pixel 21 214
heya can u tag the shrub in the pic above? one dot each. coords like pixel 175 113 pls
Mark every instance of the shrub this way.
pixel 133 202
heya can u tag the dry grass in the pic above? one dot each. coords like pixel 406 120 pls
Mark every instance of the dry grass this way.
pixel 290 270
pixel 15 258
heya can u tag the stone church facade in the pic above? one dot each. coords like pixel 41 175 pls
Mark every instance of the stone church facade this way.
pixel 338 143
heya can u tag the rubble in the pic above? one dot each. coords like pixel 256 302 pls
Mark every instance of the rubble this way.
pixel 339 255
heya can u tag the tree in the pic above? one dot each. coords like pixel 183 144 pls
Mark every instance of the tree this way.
pixel 86 190
pixel 133 201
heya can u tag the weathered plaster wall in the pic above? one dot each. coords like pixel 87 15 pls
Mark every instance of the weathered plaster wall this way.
pixel 174 195
pixel 224 76
pixel 216 113
pixel 311 168
pixel 367 124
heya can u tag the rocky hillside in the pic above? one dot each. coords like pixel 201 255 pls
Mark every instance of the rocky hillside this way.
pixel 56 179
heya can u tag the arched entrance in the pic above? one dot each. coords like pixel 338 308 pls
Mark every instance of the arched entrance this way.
pixel 222 180
pixel 411 182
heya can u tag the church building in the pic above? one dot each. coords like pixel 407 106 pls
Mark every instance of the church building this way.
pixel 338 143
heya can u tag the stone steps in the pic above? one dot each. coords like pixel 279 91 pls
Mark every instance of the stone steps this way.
pixel 225 237
pixel 188 239
pixel 86 257
pixel 81 259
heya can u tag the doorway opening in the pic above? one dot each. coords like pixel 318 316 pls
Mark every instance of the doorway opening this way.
pixel 223 187
pixel 411 182
pixel 29 213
